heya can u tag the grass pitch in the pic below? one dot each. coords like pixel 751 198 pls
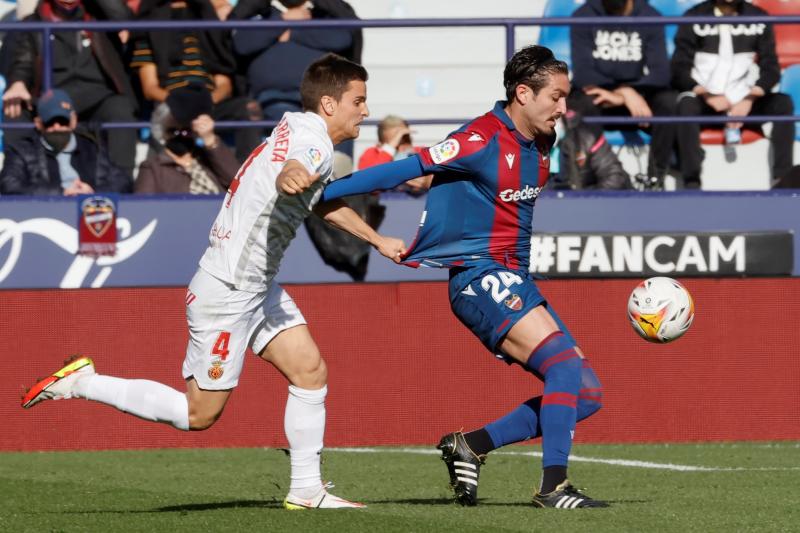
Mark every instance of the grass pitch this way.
pixel 664 488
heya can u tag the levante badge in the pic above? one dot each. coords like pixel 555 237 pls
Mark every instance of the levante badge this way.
pixel 97 224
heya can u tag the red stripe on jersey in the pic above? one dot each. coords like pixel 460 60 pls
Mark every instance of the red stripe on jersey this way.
pixel 505 227
pixel 560 398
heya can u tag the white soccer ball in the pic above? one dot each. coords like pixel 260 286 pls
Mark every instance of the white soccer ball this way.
pixel 660 309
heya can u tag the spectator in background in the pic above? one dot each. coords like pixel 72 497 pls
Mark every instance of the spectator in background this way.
pixel 276 58
pixel 394 143
pixel 87 65
pixel 728 68
pixel 624 70
pixel 57 159
pixel 167 60
pixel 587 161
pixel 182 165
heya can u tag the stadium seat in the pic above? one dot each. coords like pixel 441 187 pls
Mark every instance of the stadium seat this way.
pixel 790 84
pixel 556 38
pixel 787 36
pixel 672 8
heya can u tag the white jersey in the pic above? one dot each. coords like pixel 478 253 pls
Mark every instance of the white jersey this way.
pixel 256 222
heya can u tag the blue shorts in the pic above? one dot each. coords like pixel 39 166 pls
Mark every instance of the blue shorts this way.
pixel 490 299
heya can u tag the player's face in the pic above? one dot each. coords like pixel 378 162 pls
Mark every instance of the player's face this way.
pixel 543 110
pixel 352 109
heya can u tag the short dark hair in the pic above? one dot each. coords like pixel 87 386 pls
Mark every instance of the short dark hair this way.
pixel 614 7
pixel 328 76
pixel 531 66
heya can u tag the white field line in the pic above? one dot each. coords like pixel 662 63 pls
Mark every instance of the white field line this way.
pixel 578 458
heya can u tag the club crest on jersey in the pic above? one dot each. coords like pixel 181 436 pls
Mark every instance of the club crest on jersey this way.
pixel 513 302
pixel 215 371
pixel 314 157
pixel 444 151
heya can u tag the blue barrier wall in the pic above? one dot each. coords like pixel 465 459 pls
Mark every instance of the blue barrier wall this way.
pixel 162 238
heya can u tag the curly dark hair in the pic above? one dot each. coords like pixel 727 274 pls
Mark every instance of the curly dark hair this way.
pixel 532 66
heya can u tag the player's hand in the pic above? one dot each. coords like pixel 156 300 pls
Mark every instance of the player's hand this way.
pixel 391 248
pixel 718 102
pixel 295 180
pixel 16 96
pixel 604 98
pixel 741 108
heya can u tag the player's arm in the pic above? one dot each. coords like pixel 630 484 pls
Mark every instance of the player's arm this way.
pixel 294 178
pixel 381 177
pixel 339 215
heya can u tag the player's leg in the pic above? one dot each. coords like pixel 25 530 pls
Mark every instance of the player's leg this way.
pixel 214 357
pixel 283 339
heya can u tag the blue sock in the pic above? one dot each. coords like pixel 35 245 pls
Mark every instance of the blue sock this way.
pixel 520 424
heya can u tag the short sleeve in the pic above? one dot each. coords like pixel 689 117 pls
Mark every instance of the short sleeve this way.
pixel 460 152
pixel 312 153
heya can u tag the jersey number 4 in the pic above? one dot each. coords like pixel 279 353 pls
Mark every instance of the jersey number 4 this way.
pixel 221 345
pixel 497 285
pixel 235 183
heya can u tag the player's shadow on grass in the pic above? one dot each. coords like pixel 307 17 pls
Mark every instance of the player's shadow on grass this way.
pixel 213 506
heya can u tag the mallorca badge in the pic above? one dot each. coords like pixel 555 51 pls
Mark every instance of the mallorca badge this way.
pixel 97 224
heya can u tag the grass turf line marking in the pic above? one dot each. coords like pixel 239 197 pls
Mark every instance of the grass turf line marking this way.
pixel 578 458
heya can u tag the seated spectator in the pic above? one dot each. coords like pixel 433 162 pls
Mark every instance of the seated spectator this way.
pixel 57 159
pixel 587 161
pixel 394 142
pixel 167 60
pixel 624 70
pixel 182 165
pixel 87 65
pixel 728 69
pixel 277 57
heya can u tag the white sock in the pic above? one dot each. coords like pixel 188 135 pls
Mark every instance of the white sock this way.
pixel 146 399
pixel 304 423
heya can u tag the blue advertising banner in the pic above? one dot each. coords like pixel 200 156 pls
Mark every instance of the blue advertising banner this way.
pixel 161 238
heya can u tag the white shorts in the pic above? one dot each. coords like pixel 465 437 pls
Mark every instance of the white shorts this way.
pixel 224 322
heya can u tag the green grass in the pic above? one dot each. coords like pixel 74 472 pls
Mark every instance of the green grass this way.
pixel 757 488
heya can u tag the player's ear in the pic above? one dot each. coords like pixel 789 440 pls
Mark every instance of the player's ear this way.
pixel 523 94
pixel 328 105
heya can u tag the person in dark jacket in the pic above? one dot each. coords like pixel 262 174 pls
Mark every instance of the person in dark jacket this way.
pixel 713 67
pixel 183 165
pixel 277 57
pixel 87 65
pixel 624 70
pixel 57 159
pixel 168 60
pixel 586 161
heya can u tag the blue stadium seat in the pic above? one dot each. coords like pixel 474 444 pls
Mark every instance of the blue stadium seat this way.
pixel 672 8
pixel 556 38
pixel 790 84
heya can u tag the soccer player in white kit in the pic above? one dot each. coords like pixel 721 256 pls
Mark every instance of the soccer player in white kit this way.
pixel 232 301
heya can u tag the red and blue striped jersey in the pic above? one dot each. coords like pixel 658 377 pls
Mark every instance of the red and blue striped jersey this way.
pixel 487 177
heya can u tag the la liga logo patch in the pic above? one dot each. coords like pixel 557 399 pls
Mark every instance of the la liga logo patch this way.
pixel 444 151
pixel 314 157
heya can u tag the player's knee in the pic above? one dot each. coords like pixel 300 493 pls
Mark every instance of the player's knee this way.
pixel 310 373
pixel 201 418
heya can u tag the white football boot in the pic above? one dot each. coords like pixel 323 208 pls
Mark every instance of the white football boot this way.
pixel 322 500
pixel 58 386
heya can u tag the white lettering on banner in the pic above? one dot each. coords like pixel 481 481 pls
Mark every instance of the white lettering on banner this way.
pixel 528 193
pixel 717 251
pixel 66 238
pixel 663 254
pixel 707 30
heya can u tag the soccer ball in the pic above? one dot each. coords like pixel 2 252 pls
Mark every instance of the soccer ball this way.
pixel 660 309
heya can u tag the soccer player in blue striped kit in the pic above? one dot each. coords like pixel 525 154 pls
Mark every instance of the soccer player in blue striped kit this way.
pixel 478 223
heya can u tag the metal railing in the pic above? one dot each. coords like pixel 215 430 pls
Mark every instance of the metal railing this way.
pixel 509 24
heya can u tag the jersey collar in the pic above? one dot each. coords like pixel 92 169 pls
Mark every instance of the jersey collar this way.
pixel 500 112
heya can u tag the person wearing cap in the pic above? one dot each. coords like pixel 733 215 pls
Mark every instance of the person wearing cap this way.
pixel 190 158
pixel 58 159
pixel 87 65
